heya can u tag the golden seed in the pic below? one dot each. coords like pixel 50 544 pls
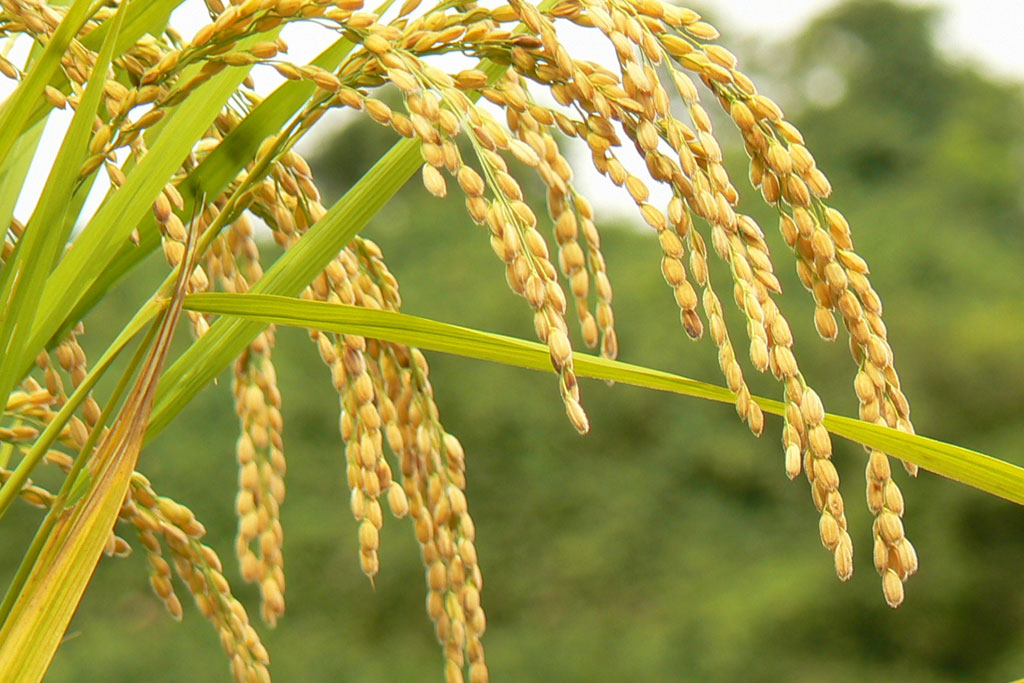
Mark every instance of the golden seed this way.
pixel 851 308
pixel 577 417
pixel 702 30
pixel 770 188
pixel 852 261
pixel 647 135
pixel 55 97
pixel 326 81
pixel 720 56
pixel 700 117
pixel 907 557
pixel 811 406
pixel 793 461
pixel 673 272
pixel 675 45
pixel 470 182
pixel 742 115
pixel 561 349
pixel 422 127
pixel 893 497
pixel 755 419
pixel 637 189
pixel 653 217
pixel 796 189
pixel 759 354
pixel 802 159
pixel 825 323
pixel 844 557
pixel 437 577
pixel 378 111
pixel 377 44
pixel 369 537
pixel 264 50
pixel 686 297
pixel 8 69
pixel 829 531
pixel 434 181
pixel 864 387
pixel 818 183
pixel 821 446
pixel 173 606
pixel 805 222
pixel 397 500
pixel 368 562
pixel 892 588
pixel 889 527
pixel 713 153
pixel 779 160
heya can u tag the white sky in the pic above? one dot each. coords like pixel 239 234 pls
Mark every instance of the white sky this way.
pixel 987 33
pixel 991 30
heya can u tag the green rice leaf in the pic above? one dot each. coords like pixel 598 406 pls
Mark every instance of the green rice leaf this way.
pixel 15 169
pixel 39 615
pixel 141 18
pixel 961 464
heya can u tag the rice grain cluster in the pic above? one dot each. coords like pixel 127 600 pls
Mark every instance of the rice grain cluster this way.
pixel 470 126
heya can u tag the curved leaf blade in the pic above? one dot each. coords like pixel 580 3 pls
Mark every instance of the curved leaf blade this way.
pixel 975 469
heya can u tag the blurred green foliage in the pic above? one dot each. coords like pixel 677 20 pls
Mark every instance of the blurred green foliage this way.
pixel 668 544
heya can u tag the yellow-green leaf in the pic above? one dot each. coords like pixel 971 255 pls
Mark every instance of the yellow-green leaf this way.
pixel 961 464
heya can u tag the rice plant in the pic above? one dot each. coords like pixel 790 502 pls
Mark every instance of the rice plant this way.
pixel 196 161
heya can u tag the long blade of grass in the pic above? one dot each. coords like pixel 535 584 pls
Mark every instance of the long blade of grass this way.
pixel 150 16
pixel 981 471
pixel 47 230
pixel 14 170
